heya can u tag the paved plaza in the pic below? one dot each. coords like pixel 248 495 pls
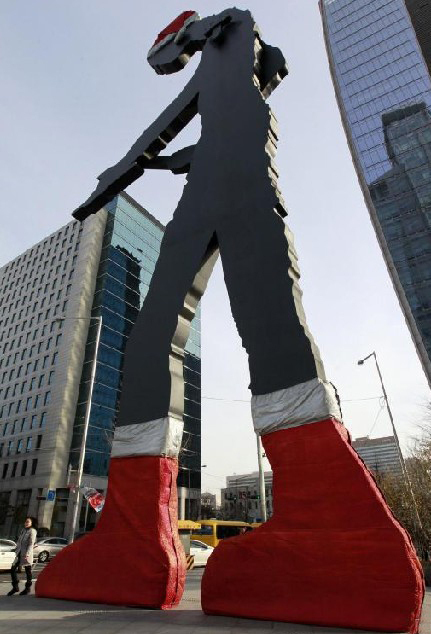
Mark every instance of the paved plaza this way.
pixel 29 614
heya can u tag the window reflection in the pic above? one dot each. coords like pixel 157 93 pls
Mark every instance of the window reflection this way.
pixel 130 250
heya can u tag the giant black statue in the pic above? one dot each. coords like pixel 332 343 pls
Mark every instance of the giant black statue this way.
pixel 332 554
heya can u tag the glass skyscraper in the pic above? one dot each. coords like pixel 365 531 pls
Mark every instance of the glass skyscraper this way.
pixel 383 87
pixel 130 249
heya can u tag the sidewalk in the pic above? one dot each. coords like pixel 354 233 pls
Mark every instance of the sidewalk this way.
pixel 28 614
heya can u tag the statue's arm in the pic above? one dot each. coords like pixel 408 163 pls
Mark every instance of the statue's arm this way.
pixel 273 68
pixel 177 163
pixel 155 138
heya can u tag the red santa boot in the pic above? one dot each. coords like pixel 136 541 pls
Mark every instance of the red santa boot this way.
pixel 332 554
pixel 133 556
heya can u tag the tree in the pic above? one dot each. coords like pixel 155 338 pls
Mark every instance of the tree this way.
pixel 410 501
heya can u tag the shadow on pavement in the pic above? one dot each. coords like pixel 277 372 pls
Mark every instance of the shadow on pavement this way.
pixel 51 615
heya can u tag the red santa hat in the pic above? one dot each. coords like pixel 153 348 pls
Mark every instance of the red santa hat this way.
pixel 173 29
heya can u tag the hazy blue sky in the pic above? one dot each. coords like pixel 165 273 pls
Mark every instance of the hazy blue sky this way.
pixel 77 91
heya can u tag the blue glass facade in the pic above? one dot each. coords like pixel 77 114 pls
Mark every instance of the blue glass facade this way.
pixel 383 89
pixel 130 250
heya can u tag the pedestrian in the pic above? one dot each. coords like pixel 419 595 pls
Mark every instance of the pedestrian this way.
pixel 24 556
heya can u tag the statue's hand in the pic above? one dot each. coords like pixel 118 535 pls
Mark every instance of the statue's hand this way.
pixel 178 162
pixel 111 182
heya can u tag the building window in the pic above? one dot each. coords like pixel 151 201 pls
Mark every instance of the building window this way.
pixel 47 398
pixel 23 467
pixel 29 444
pixel 54 358
pixel 51 376
pixel 42 420
pixel 19 446
pixel 5 466
pixel 33 466
pixel 33 421
pixel 38 442
pixel 14 466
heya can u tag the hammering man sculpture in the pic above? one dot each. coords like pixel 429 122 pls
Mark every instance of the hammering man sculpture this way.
pixel 332 554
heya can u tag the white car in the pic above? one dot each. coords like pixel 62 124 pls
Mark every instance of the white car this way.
pixel 200 551
pixel 47 548
pixel 7 553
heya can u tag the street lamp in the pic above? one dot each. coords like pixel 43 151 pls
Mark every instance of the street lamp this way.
pixel 394 431
pixel 75 491
pixel 200 500
pixel 261 479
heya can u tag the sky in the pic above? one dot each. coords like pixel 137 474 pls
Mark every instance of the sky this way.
pixel 77 92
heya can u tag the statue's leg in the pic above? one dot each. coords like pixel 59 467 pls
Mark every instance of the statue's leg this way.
pixel 332 554
pixel 133 556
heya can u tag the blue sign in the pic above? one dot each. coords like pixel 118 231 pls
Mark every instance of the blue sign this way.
pixel 51 495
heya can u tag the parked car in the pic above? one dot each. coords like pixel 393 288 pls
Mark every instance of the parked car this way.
pixel 47 548
pixel 7 553
pixel 200 551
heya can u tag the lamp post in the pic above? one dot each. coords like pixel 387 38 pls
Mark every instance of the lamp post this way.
pixel 261 479
pixel 200 500
pixel 394 431
pixel 75 491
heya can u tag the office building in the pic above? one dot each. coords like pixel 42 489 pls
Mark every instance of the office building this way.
pixel 378 53
pixel 420 15
pixel 240 499
pixel 208 506
pixel 379 454
pixel 51 299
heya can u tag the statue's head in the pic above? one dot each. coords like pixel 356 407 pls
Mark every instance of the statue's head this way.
pixel 174 45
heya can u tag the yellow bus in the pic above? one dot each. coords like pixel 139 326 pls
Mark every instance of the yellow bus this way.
pixel 212 531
